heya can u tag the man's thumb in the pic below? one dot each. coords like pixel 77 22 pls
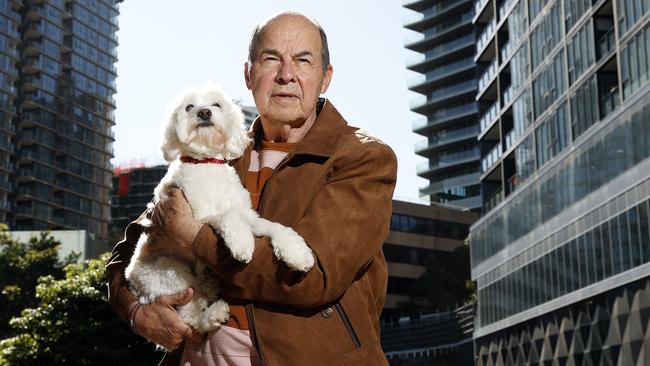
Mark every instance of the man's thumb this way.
pixel 181 298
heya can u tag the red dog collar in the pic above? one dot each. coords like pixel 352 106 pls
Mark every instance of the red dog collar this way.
pixel 189 159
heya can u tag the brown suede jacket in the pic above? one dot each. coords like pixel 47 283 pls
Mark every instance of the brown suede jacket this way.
pixel 335 190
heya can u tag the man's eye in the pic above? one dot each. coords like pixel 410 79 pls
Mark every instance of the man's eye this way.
pixel 304 60
pixel 216 105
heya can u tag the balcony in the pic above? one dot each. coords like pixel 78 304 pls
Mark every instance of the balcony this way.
pixel 506 51
pixel 449 183
pixel 605 44
pixel 505 7
pixel 439 73
pixel 510 139
pixel 479 6
pixel 418 21
pixel 439 51
pixel 5 145
pixel 489 117
pixel 486 36
pixel 417 42
pixel 442 94
pixel 491 158
pixel 448 160
pixel 507 96
pixel 486 78
pixel 443 138
pixel 445 115
pixel 492 200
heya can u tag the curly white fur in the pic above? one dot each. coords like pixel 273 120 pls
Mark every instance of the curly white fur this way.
pixel 205 123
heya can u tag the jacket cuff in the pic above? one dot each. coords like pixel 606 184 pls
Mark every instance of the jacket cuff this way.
pixel 205 245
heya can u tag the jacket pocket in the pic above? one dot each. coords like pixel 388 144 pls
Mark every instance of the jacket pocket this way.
pixel 348 325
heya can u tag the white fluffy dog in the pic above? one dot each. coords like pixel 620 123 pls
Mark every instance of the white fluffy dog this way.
pixel 202 131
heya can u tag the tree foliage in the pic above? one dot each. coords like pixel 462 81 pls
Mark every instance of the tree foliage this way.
pixel 68 320
pixel 21 264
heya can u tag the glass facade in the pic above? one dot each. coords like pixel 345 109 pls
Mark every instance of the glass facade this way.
pixel 446 47
pixel 612 247
pixel 58 132
pixel 576 148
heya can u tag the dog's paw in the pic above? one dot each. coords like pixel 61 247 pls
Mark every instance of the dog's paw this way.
pixel 241 246
pixel 291 248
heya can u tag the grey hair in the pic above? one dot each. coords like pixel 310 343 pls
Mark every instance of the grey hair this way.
pixel 258 31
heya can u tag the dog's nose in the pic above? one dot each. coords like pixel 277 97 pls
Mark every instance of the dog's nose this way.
pixel 204 114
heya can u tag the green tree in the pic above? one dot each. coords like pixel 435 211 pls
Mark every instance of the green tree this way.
pixel 21 264
pixel 72 324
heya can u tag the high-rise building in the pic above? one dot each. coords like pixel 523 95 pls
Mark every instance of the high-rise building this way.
pixel 57 82
pixel 447 45
pixel 561 254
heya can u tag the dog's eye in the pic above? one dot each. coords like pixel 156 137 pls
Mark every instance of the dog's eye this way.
pixel 216 105
pixel 189 106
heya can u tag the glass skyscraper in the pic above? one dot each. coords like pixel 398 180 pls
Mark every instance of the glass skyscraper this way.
pixel 57 82
pixel 561 254
pixel 447 82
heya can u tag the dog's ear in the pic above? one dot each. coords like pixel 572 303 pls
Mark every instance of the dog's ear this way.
pixel 170 144
pixel 238 140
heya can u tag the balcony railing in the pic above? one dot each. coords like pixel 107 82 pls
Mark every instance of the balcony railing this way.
pixel 491 158
pixel 487 76
pixel 486 35
pixel 505 8
pixel 448 159
pixel 508 94
pixel 445 137
pixel 439 29
pixel 479 5
pixel 442 49
pixel 459 181
pixel 488 118
pixel 441 71
pixel 430 12
pixel 445 115
pixel 443 93
pixel 606 43
pixel 510 139
pixel 506 50
pixel 608 102
pixel 493 200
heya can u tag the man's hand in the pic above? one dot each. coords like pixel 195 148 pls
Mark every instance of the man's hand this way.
pixel 172 222
pixel 160 323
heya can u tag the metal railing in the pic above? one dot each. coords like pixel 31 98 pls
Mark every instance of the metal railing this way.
pixel 445 115
pixel 487 119
pixel 486 35
pixel 487 76
pixel 491 158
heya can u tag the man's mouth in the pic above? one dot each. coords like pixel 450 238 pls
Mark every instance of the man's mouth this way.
pixel 284 95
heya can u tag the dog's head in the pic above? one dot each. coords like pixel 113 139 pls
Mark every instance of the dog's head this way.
pixel 203 122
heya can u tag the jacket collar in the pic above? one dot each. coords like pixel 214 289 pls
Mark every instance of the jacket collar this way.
pixel 321 139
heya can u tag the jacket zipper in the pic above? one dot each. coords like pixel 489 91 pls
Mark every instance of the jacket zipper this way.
pixel 348 325
pixel 251 321
pixel 250 314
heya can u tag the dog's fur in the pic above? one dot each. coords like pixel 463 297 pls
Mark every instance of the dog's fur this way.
pixel 217 198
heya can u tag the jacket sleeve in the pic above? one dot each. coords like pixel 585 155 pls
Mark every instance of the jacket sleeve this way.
pixel 345 226
pixel 119 295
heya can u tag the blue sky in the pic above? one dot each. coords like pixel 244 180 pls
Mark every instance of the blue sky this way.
pixel 165 45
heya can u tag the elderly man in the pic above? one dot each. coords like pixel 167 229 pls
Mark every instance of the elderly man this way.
pixel 307 169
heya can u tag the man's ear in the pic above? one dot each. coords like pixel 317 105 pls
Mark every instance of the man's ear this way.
pixel 247 75
pixel 327 78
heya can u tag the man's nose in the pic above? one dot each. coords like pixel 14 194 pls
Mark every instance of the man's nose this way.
pixel 287 72
pixel 204 114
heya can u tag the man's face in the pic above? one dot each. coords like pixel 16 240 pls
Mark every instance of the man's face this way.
pixel 286 76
